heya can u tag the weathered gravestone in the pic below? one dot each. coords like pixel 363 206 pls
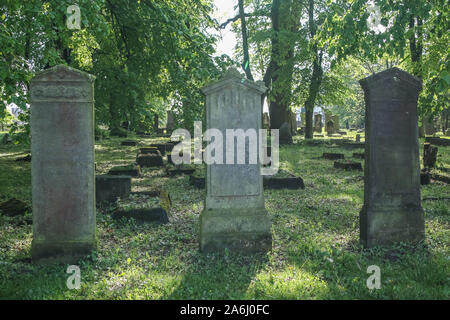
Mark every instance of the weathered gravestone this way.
pixel 330 127
pixel 266 121
pixel 62 145
pixel 170 122
pixel 392 211
pixel 335 119
pixel 318 123
pixel 234 216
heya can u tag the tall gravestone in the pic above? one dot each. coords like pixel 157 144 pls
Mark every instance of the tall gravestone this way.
pixel 392 210
pixel 318 123
pixel 62 147
pixel 234 215
pixel 170 122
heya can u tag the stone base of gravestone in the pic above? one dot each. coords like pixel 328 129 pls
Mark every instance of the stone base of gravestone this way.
pixel 109 188
pixel 131 170
pixel 242 229
pixel 61 251
pixel 149 160
pixel 332 156
pixel 347 165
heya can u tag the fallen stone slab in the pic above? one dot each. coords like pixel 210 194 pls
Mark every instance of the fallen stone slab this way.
pixel 156 215
pixel 14 207
pixel 440 177
pixel 354 145
pixel 27 158
pixel 333 156
pixel 149 150
pixel 131 170
pixel 110 187
pixel 347 165
pixel 164 147
pixel 180 170
pixel 131 143
pixel 273 182
pixel 154 193
pixel 438 141
pixel 149 160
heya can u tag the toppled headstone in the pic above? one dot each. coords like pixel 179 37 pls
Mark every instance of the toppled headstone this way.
pixel 283 180
pixel 130 143
pixel 429 155
pixel 149 160
pixel 333 156
pixel 159 214
pixel 348 165
pixel 14 207
pixel 131 170
pixel 110 187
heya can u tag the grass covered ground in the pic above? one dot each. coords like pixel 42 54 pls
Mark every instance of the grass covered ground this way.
pixel 316 252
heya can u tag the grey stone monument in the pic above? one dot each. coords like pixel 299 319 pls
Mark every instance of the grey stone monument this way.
pixel 234 215
pixel 318 123
pixel 62 147
pixel 170 122
pixel 392 210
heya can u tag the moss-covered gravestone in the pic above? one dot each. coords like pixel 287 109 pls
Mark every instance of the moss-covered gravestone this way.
pixel 392 210
pixel 234 216
pixel 62 147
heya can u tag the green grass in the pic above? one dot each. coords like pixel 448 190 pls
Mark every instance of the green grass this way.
pixel 316 252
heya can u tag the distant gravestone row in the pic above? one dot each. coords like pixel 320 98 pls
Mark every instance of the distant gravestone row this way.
pixel 234 215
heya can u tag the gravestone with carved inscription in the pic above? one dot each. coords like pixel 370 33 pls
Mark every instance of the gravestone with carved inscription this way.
pixel 392 210
pixel 234 214
pixel 62 147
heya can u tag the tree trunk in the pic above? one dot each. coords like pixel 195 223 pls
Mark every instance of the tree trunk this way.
pixel 246 63
pixel 316 78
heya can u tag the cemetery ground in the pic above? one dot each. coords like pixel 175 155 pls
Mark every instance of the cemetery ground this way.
pixel 316 252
